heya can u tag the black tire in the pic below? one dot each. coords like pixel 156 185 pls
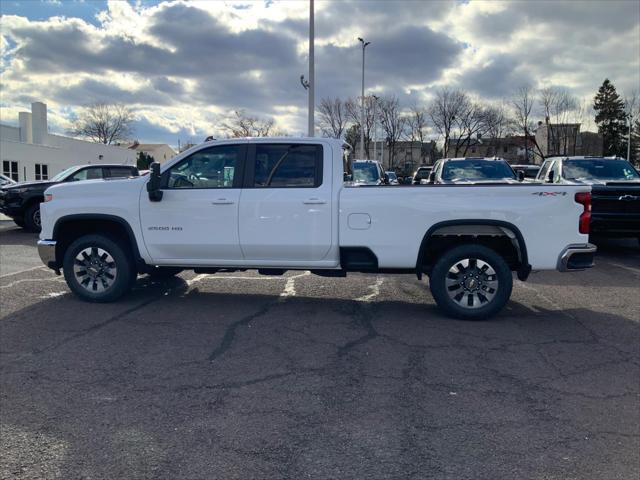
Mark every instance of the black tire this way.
pixel 32 218
pixel 460 273
pixel 163 273
pixel 18 221
pixel 100 288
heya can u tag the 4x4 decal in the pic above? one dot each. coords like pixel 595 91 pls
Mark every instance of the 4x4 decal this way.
pixel 549 194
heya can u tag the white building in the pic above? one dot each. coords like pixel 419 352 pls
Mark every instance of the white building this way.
pixel 161 152
pixel 30 152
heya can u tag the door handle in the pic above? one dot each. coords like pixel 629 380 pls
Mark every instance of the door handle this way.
pixel 222 201
pixel 314 201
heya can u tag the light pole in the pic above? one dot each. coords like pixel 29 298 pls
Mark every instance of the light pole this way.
pixel 312 78
pixel 364 46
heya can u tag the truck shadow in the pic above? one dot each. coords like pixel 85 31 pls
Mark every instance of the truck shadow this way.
pixel 12 234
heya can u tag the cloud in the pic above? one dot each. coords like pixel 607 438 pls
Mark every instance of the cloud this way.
pixel 185 65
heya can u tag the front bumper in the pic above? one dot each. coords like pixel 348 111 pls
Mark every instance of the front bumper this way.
pixel 576 257
pixel 47 252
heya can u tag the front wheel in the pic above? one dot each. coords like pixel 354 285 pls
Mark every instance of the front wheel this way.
pixel 32 218
pixel 471 282
pixel 97 269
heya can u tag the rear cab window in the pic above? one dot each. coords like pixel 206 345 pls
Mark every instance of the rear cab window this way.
pixel 285 165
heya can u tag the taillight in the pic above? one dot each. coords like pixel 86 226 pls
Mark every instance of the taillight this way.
pixel 584 199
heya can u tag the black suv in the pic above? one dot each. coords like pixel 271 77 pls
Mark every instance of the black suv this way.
pixel 615 190
pixel 21 201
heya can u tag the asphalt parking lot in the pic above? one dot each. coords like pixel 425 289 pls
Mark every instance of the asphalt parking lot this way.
pixel 240 376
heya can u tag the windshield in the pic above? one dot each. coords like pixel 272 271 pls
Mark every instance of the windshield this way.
pixel 392 176
pixel 422 174
pixel 476 170
pixel 365 172
pixel 61 176
pixel 601 169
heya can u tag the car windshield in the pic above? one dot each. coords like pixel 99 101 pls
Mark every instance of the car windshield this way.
pixel 422 174
pixel 63 174
pixel 365 172
pixel 601 169
pixel 476 170
pixel 392 176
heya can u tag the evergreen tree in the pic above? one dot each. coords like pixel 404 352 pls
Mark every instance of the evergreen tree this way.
pixel 611 119
pixel 635 143
pixel 144 160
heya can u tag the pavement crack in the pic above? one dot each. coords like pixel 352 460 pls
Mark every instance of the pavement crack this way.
pixel 230 333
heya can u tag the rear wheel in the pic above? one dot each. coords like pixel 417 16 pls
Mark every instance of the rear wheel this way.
pixel 18 221
pixel 97 269
pixel 471 282
pixel 32 218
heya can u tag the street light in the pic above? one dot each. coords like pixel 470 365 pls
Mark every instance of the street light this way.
pixel 364 45
pixel 309 84
pixel 630 117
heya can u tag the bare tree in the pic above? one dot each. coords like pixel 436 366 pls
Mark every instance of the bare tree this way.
pixel 416 126
pixel 104 123
pixel 352 107
pixel 333 117
pixel 393 124
pixel 443 111
pixel 522 103
pixel 243 125
pixel 470 122
pixel 498 125
pixel 562 111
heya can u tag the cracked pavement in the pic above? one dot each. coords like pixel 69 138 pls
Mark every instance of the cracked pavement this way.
pixel 240 376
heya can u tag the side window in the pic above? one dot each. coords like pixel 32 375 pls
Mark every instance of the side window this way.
pixel 42 171
pixel 212 167
pixel 119 172
pixel 288 165
pixel 87 174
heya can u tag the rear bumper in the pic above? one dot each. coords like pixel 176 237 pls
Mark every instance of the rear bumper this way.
pixel 47 252
pixel 576 257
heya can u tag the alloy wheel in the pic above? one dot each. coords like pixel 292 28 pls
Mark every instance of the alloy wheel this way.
pixel 471 283
pixel 95 269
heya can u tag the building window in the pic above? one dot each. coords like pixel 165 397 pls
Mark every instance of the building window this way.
pixel 10 169
pixel 42 172
pixel 473 149
pixel 505 149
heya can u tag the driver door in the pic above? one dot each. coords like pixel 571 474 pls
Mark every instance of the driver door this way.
pixel 196 222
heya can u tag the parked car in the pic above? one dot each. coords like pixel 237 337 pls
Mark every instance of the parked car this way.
pixel 473 170
pixel 21 201
pixel 290 209
pixel 422 173
pixel 530 171
pixel 392 178
pixel 615 190
pixel 4 180
pixel 367 172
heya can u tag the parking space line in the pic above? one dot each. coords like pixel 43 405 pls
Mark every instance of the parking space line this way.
pixel 375 291
pixel 23 271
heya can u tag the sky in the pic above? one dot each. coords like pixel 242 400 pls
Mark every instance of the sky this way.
pixel 186 66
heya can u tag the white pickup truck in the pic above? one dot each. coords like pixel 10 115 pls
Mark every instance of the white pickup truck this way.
pixel 277 204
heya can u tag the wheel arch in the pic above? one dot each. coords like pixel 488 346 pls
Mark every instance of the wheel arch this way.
pixel 464 233
pixel 70 227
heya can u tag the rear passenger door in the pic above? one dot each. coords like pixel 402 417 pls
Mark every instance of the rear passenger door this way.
pixel 285 206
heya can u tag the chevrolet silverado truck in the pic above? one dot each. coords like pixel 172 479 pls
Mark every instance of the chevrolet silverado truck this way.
pixel 615 191
pixel 274 205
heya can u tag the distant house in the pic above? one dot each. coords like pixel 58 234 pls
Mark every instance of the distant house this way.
pixel 161 152
pixel 511 148
pixel 406 155
pixel 567 139
pixel 29 152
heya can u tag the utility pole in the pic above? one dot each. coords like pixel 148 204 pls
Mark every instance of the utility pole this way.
pixel 364 45
pixel 312 78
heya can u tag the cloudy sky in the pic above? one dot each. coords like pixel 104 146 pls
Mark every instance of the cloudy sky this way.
pixel 185 65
